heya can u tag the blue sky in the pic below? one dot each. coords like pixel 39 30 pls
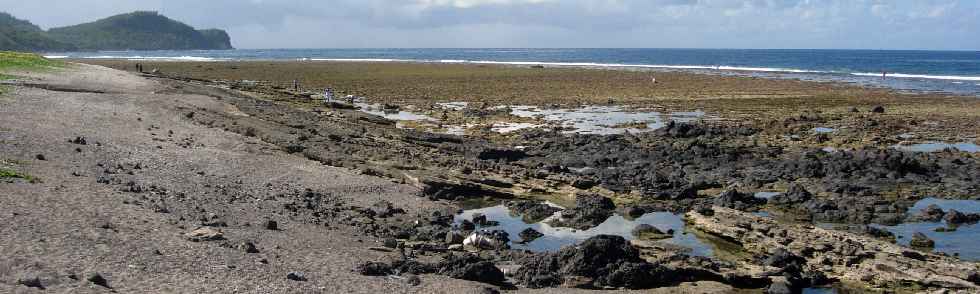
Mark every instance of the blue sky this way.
pixel 858 24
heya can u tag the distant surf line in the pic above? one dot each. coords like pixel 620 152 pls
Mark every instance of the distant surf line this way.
pixel 563 64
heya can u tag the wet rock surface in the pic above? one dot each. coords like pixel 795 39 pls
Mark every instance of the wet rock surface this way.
pixel 598 262
pixel 801 249
pixel 532 211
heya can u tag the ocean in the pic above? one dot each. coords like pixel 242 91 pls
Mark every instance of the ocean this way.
pixel 918 71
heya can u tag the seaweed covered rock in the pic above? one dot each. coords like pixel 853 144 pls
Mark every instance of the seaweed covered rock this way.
pixel 920 240
pixel 600 261
pixel 532 211
pixel 932 213
pixel 648 232
pixel 530 234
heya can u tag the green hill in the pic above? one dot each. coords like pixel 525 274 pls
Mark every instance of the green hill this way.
pixel 141 30
pixel 21 35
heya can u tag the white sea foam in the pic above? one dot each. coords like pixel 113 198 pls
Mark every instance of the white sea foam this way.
pixel 160 58
pixel 911 76
pixel 55 56
pixel 362 59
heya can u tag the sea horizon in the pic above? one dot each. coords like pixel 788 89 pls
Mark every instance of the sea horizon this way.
pixel 955 72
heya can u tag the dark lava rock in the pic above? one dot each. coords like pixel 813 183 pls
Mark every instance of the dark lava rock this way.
pixel 532 211
pixel 782 258
pixel 932 213
pixel 529 234
pixel 481 220
pixel 920 240
pixel 501 154
pixel 454 237
pixel 590 210
pixel 413 280
pixel 374 269
pixel 795 195
pixel 731 198
pixel 467 225
pixel 645 231
pixel 296 276
pixel 270 225
pixel 603 261
pixel 878 109
pixel 79 141
pixel 471 268
pixel 634 212
pixel 248 247
pixel 390 243
pixel 31 282
pixel 385 209
pixel 97 279
pixel 40 157
pixel 779 287
pixel 954 217
pixel 974 278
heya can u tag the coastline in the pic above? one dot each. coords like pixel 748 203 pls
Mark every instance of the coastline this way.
pixel 737 99
pixel 204 163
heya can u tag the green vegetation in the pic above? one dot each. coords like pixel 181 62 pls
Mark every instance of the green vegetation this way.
pixel 19 60
pixel 141 30
pixel 11 174
pixel 21 35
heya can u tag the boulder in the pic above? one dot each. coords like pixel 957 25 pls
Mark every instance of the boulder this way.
pixel 645 231
pixel 590 210
pixel 932 213
pixel 532 211
pixel 205 234
pixel 731 198
pixel 487 239
pixel 920 240
pixel 954 217
pixel 529 234
pixel 795 195
pixel 600 261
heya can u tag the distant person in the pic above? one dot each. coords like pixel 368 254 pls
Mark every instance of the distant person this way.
pixel 295 85
pixel 883 74
pixel 653 80
pixel 327 95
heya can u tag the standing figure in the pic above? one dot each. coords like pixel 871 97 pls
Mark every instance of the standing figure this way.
pixel 327 95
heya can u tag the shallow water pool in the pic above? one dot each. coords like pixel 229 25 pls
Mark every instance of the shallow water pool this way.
pixel 939 146
pixel 965 241
pixel 604 120
pixel 556 237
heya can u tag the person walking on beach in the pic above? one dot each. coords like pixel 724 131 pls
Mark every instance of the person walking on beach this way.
pixel 327 95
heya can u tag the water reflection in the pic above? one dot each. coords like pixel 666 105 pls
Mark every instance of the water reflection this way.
pixel 963 241
pixel 939 146
pixel 556 237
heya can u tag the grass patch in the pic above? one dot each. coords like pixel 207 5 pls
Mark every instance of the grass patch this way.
pixel 11 174
pixel 17 61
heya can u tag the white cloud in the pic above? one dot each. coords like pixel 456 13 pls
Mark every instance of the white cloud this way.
pixel 553 23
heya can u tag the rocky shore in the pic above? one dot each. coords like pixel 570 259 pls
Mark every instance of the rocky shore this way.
pixel 256 188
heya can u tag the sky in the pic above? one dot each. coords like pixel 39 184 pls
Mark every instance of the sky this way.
pixel 816 24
